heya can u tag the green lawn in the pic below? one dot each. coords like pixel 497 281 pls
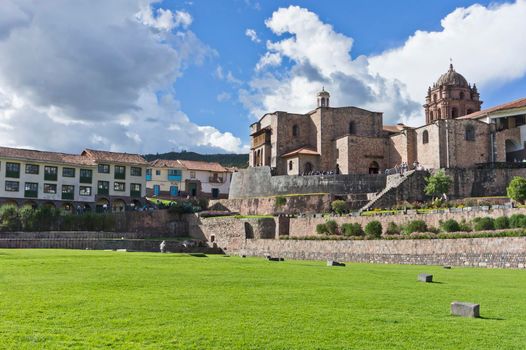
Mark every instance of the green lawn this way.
pixel 53 299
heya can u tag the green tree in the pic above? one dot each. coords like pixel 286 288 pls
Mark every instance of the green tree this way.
pixel 517 189
pixel 437 184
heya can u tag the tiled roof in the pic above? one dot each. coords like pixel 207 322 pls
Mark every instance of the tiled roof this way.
pixel 165 163
pixel 302 150
pixel 395 128
pixel 204 166
pixel 43 156
pixel 114 157
pixel 510 105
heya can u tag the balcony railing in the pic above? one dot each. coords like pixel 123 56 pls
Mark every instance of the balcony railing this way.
pixel 12 174
pixel 68 196
pixel 148 177
pixel 50 177
pixel 103 191
pixel 30 194
pixel 135 194
pixel 174 177
pixel 120 176
pixel 86 179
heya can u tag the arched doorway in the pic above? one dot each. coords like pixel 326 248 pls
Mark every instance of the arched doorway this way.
pixel 87 208
pixel 49 205
pixel 118 205
pixel 31 204
pixel 374 168
pixel 136 204
pixel 67 207
pixel 307 168
pixel 102 205
pixel 512 154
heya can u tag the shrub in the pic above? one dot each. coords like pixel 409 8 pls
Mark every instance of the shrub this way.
pixel 464 225
pixel 437 184
pixel 321 229
pixel 450 226
pixel 415 226
pixel 281 201
pixel 517 189
pixel 392 229
pixel 517 220
pixel 483 224
pixel 352 229
pixel 181 208
pixel 26 215
pixel 332 227
pixel 502 223
pixel 374 229
pixel 339 206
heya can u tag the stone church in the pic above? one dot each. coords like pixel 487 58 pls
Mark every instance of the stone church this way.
pixel 351 140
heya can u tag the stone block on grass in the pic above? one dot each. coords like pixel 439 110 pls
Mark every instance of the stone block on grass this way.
pixel 463 309
pixel 424 277
pixel 334 263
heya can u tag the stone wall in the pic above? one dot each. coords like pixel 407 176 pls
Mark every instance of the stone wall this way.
pixel 481 182
pixel 506 252
pixel 258 182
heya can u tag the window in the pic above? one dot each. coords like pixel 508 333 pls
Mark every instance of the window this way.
pixel 148 172
pixel 135 171
pixel 454 112
pixel 174 172
pixel 290 164
pixel 50 173
pixel 434 97
pixel 295 131
pixel 431 115
pixel 351 128
pixel 120 172
pixel 104 168
pixel 119 186
pixel 470 133
pixel 68 191
pixel 192 174
pixel 439 114
pixel 50 188
pixel 32 169
pixel 12 170
pixel 135 190
pixel 31 189
pixel 86 176
pixel 425 137
pixel 12 186
pixel 103 187
pixel 85 190
pixel 157 172
pixel 461 95
pixel 68 172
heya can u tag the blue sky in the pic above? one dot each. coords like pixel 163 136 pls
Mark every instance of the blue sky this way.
pixel 155 76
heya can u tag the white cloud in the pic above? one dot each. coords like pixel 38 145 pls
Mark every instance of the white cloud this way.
pixel 68 82
pixel 484 43
pixel 251 33
pixel 183 19
pixel 224 96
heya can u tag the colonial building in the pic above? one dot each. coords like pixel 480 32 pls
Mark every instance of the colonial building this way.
pixel 350 140
pixel 93 180
pixel 172 179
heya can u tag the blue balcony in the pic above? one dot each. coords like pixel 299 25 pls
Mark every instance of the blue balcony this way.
pixel 174 177
pixel 148 177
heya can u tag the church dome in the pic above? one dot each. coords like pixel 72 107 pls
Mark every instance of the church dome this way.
pixel 323 93
pixel 451 77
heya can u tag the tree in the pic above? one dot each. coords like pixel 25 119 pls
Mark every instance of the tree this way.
pixel 517 189
pixel 437 184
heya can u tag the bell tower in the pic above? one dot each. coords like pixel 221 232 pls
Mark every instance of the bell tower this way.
pixel 323 98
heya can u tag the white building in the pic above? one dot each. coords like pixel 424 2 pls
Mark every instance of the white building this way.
pixel 170 179
pixel 92 180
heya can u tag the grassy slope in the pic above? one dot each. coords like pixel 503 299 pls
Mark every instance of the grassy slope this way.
pixel 87 299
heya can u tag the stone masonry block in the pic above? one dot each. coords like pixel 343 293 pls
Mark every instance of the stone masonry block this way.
pixel 464 309
pixel 424 277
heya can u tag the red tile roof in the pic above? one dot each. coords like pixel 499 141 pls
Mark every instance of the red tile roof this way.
pixel 203 166
pixel 166 163
pixel 302 150
pixel 43 156
pixel 509 105
pixel 395 128
pixel 114 157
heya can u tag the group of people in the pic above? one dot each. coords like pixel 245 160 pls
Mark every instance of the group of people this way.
pixel 316 172
pixel 403 168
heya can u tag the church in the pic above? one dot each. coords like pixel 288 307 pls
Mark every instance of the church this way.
pixel 351 140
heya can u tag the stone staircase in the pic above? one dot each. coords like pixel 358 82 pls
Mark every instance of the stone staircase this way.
pixel 393 182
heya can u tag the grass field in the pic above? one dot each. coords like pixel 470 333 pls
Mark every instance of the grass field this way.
pixel 91 299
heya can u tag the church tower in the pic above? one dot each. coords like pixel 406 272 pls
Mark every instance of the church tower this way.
pixel 323 98
pixel 451 97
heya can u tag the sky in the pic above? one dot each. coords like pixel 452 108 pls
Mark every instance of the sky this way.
pixel 152 76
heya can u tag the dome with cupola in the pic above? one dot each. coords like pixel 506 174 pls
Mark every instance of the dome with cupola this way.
pixel 451 77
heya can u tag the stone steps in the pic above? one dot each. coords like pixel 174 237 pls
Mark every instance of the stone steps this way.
pixel 392 182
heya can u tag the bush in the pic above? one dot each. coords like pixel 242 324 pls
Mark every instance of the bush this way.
pixel 353 229
pixel 181 208
pixel 502 223
pixel 437 184
pixel 483 224
pixel 339 206
pixel 415 226
pixel 464 225
pixel 374 229
pixel 517 220
pixel 450 226
pixel 9 219
pixel 392 229
pixel 321 229
pixel 281 201
pixel 332 227
pixel 517 189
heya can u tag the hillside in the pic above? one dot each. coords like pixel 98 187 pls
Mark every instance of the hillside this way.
pixel 228 160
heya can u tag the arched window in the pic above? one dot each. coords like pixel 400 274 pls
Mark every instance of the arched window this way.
pixel 470 133
pixel 469 111
pixel 434 97
pixel 439 114
pixel 295 131
pixel 307 168
pixel 352 128
pixel 425 137
pixel 461 95
pixel 454 112
pixel 430 115
pixel 290 164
